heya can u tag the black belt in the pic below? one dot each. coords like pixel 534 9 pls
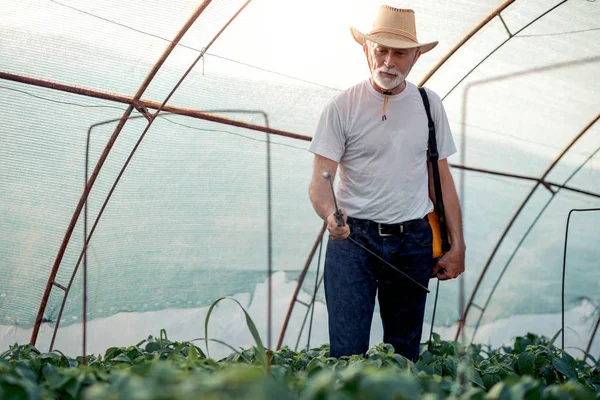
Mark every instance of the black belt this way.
pixel 413 225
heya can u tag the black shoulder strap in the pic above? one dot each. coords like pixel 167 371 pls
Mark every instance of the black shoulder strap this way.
pixel 432 157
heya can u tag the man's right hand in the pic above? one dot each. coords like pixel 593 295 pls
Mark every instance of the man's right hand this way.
pixel 337 232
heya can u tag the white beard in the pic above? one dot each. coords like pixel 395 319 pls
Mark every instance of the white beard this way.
pixel 386 82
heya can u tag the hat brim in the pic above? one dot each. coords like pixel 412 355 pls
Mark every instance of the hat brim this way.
pixel 394 42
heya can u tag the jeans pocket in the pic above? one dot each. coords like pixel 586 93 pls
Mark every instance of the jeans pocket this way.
pixel 421 239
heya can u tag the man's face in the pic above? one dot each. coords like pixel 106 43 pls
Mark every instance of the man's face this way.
pixel 389 67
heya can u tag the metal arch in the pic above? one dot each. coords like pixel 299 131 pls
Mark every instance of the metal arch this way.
pixel 564 272
pixel 299 285
pixel 484 22
pixel 518 246
pixel 590 60
pixel 476 29
pixel 151 119
pixel 90 183
pixel 497 47
pixel 465 39
pixel 464 310
pixel 592 336
pixel 515 216
pixel 67 289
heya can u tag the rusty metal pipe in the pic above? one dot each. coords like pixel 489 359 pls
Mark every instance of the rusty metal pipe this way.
pixel 150 104
pixel 100 163
pixel 309 259
pixel 464 40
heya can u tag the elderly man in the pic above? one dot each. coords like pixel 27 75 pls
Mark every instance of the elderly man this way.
pixel 377 133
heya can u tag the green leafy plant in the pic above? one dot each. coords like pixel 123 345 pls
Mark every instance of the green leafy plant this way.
pixel 158 368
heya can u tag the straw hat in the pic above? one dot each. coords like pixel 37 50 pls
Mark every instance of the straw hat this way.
pixel 395 28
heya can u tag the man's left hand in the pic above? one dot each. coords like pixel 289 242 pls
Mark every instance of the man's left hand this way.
pixel 451 265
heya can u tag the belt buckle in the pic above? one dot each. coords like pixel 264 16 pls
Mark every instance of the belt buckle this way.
pixel 381 233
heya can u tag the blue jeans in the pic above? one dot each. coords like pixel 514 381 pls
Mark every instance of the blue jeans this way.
pixel 353 277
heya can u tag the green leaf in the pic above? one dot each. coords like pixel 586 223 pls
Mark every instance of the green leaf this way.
pixel 74 386
pixel 588 355
pixel 59 381
pixel 262 354
pixel 122 358
pixel 112 352
pixel 571 390
pixel 315 365
pixel 426 357
pixel 449 367
pixel 163 343
pixel 474 394
pixel 48 370
pixel 493 370
pixel 526 362
pixel 474 377
pixel 578 391
pixel 526 388
pixel 26 374
pixel 152 347
pixel 500 391
pixel 564 367
pixel 320 385
pixel 192 354
pixel 489 380
pixel 202 355
pixel 177 351
pixel 549 374
pixel 388 349
pixel 13 392
pixel 389 385
pixel 400 361
pixel 551 342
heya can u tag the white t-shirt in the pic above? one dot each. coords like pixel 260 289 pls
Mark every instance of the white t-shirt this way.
pixel 382 164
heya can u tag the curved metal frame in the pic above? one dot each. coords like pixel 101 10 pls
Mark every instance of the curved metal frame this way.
pixel 592 336
pixel 564 270
pixel 199 10
pixel 512 221
pixel 510 36
pixel 99 165
pixel 525 235
pixel 461 301
pixel 150 121
pixel 299 285
pixel 465 39
pixel 67 289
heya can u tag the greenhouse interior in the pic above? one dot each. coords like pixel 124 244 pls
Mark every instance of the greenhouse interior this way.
pixel 155 158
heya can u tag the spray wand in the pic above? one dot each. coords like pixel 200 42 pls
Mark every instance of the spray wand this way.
pixel 340 222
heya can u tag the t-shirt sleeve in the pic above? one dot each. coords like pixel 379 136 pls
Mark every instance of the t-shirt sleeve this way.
pixel 329 140
pixel 443 134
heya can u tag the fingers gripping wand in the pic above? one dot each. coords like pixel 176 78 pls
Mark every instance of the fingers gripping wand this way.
pixel 338 214
pixel 340 222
